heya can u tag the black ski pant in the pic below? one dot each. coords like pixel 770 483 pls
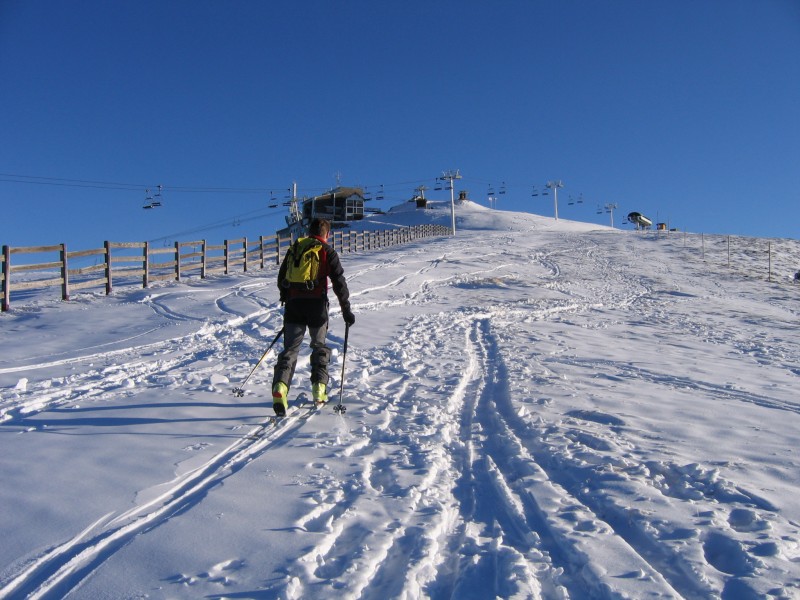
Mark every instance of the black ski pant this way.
pixel 301 314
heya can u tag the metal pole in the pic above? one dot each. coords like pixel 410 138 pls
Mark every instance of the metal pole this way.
pixel 555 201
pixel 610 208
pixel 554 185
pixel 453 205
pixel 451 176
pixel 239 391
pixel 339 408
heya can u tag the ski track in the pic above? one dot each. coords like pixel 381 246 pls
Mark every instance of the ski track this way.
pixel 155 364
pixel 557 502
pixel 511 544
pixel 60 570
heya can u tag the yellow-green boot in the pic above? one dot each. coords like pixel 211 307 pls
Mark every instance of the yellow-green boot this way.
pixel 280 398
pixel 318 392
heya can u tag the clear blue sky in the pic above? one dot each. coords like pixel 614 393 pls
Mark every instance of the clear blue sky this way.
pixel 687 110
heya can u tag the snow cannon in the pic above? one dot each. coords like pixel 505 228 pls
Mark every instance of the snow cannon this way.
pixel 639 220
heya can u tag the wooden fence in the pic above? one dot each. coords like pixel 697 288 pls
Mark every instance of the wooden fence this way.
pixel 139 263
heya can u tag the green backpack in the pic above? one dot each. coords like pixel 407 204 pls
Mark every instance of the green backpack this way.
pixel 302 264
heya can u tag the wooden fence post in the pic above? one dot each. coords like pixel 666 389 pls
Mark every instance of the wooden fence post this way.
pixel 729 252
pixel 769 252
pixel 6 278
pixel 261 250
pixel 203 261
pixel 146 265
pixel 177 261
pixel 109 285
pixel 64 273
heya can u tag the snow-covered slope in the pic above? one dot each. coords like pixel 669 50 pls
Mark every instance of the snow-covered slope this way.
pixel 534 410
pixel 471 217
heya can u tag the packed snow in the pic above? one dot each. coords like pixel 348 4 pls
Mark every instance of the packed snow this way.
pixel 534 409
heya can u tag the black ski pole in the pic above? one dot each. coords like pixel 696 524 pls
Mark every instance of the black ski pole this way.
pixel 239 391
pixel 339 408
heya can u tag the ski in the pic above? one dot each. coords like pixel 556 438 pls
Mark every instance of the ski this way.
pixel 259 431
pixel 302 410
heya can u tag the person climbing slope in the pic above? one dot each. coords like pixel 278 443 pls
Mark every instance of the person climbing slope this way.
pixel 303 283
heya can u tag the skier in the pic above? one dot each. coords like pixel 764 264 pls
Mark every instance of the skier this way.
pixel 307 306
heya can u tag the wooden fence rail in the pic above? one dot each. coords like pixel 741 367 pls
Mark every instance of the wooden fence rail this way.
pixel 129 263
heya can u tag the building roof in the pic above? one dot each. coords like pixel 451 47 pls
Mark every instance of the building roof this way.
pixel 340 192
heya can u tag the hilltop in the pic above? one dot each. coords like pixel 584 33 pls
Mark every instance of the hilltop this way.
pixel 470 216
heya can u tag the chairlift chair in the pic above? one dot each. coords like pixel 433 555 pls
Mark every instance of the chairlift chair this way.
pixel 156 200
pixel 503 188
pixel 148 200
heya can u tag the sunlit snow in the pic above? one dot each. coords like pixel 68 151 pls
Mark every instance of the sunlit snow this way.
pixel 535 409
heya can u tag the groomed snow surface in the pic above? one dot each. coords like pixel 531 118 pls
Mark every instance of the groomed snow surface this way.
pixel 534 410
